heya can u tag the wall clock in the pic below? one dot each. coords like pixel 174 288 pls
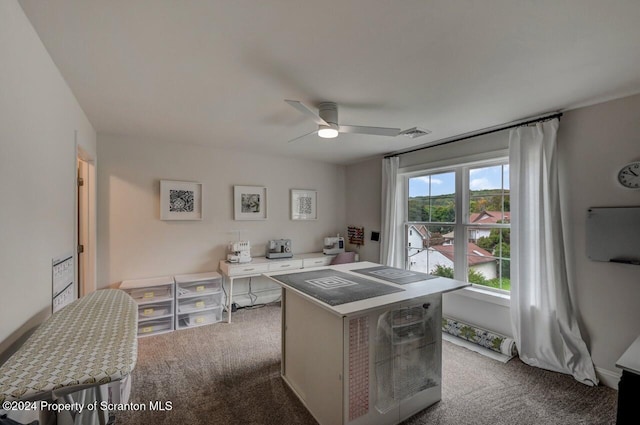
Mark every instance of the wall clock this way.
pixel 629 175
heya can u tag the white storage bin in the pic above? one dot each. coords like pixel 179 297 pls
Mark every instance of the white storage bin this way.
pixel 198 303
pixel 148 311
pixel 200 318
pixel 149 290
pixel 153 293
pixel 152 327
pixel 198 284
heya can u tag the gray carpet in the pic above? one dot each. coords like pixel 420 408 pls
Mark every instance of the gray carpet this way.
pixel 230 374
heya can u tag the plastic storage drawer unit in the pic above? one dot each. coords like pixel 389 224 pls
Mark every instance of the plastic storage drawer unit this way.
pixel 198 299
pixel 155 299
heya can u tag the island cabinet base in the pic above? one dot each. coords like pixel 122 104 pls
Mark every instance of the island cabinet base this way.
pixel 377 367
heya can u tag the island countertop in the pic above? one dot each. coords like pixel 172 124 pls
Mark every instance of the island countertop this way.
pixel 402 292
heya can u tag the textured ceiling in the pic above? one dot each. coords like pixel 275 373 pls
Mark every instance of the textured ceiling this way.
pixel 217 72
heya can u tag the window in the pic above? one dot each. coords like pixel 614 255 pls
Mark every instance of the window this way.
pixel 458 223
pixel 431 214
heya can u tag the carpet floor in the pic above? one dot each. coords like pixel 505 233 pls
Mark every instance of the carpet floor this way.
pixel 230 374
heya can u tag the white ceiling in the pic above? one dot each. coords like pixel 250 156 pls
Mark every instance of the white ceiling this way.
pixel 217 72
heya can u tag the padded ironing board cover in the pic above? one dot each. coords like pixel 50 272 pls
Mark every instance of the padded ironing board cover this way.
pixel 91 341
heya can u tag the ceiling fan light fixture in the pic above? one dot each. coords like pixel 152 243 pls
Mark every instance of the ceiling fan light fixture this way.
pixel 327 131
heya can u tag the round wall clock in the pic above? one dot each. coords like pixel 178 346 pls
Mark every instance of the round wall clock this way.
pixel 629 175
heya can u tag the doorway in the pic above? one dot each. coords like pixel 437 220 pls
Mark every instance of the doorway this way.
pixel 86 224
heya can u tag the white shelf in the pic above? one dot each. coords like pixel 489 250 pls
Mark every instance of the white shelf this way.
pixel 146 283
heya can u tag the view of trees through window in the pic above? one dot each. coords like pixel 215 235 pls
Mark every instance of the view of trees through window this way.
pixel 432 223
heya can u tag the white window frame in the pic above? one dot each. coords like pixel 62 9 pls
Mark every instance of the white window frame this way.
pixel 460 166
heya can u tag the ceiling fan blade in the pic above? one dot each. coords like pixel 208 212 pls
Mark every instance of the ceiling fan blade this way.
pixel 300 137
pixel 375 131
pixel 308 112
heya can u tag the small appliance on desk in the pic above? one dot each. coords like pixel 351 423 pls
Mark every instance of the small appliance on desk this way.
pixel 239 252
pixel 279 248
pixel 333 245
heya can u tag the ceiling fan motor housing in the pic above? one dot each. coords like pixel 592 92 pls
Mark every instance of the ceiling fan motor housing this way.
pixel 328 111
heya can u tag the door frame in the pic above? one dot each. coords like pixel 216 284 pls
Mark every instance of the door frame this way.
pixel 85 263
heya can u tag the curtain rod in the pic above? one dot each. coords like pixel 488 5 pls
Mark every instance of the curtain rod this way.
pixel 481 133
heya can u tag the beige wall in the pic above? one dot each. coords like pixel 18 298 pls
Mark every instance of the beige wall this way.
pixel 135 243
pixel 363 201
pixel 38 119
pixel 594 143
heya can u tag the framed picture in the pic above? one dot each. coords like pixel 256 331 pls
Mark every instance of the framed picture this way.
pixel 249 203
pixel 180 200
pixel 304 204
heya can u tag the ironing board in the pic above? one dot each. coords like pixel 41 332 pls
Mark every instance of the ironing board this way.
pixel 89 343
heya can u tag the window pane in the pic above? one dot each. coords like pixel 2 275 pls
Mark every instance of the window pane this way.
pixel 505 176
pixel 488 253
pixel 430 249
pixel 432 198
pixel 488 194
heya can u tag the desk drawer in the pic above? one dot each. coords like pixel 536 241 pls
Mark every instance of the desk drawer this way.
pixel 244 269
pixel 280 265
pixel 317 261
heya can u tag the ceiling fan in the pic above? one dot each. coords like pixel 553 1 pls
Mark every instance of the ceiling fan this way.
pixel 328 126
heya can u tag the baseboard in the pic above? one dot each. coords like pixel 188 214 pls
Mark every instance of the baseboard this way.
pixel 14 341
pixel 608 377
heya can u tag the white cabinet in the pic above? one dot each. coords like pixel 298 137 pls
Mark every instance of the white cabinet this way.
pixel 198 299
pixel 374 368
pixel 155 299
pixel 372 361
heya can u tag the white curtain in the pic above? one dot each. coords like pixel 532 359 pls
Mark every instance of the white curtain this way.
pixel 544 323
pixel 391 253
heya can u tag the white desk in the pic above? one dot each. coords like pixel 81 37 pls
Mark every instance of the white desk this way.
pixel 629 385
pixel 630 360
pixel 260 265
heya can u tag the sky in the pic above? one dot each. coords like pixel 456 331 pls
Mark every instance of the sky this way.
pixel 444 183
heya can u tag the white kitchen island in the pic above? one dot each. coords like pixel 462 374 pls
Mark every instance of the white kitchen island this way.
pixel 358 349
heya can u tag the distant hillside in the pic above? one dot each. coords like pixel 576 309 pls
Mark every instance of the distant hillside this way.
pixel 441 208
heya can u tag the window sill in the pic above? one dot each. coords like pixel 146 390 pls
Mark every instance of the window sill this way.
pixel 485 295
